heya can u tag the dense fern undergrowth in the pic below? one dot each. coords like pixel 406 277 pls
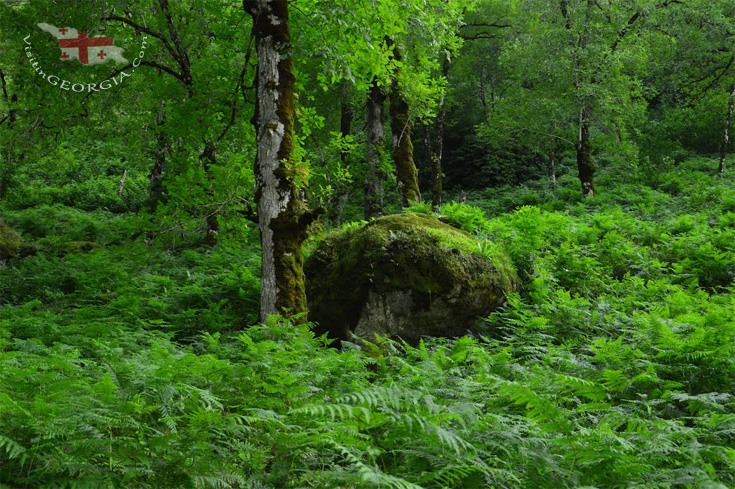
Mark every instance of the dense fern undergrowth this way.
pixel 132 364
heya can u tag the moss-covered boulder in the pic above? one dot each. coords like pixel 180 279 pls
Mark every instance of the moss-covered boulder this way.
pixel 9 241
pixel 404 276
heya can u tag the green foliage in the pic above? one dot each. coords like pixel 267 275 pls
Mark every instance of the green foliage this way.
pixel 124 366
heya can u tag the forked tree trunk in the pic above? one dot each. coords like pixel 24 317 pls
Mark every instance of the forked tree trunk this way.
pixel 283 218
pixel 726 136
pixel 400 126
pixel 375 150
pixel 584 156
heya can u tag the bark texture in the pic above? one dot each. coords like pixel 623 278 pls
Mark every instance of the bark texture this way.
pixel 282 215
pixel 400 126
pixel 375 150
pixel 726 136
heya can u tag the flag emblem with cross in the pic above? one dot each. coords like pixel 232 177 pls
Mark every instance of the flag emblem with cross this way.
pixel 88 50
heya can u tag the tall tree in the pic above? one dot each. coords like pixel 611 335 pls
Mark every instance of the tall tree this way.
pixel 401 126
pixel 282 213
pixel 375 151
pixel 726 134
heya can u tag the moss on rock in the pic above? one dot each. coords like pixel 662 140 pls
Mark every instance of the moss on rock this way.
pixel 407 276
pixel 9 241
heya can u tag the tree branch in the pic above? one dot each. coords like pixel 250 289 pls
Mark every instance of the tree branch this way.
pixel 633 19
pixel 485 24
pixel 141 28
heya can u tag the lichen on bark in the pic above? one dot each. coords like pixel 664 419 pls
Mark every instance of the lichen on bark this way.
pixel 283 215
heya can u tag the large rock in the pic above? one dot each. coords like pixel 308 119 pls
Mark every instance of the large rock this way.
pixel 404 276
pixel 9 241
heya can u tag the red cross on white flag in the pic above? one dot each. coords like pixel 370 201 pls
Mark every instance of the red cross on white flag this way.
pixel 88 50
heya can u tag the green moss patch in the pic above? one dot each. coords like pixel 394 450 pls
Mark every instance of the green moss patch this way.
pixel 407 275
pixel 9 241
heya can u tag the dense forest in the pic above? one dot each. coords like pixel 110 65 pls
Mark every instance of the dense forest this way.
pixel 367 243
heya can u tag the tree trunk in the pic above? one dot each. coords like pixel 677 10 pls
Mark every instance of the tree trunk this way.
pixel 7 171
pixel 584 156
pixel 345 127
pixel 155 179
pixel 552 164
pixel 434 151
pixel 400 125
pixel 283 218
pixel 437 187
pixel 208 159
pixel 375 147
pixel 726 136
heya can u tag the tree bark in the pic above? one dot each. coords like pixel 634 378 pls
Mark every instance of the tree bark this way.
pixel 584 155
pixel 400 126
pixel 282 214
pixel 375 148
pixel 726 136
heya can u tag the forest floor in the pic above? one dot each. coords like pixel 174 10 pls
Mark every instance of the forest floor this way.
pixel 126 364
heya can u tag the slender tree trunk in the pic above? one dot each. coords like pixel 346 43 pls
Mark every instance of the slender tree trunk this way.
pixel 208 159
pixel 552 165
pixel 483 100
pixel 7 170
pixel 400 125
pixel 345 127
pixel 121 185
pixel 584 155
pixel 726 136
pixel 282 214
pixel 375 148
pixel 155 179
pixel 435 148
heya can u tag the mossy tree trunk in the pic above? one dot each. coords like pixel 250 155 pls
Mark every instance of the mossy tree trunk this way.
pixel 375 150
pixel 726 136
pixel 585 165
pixel 283 217
pixel 400 126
